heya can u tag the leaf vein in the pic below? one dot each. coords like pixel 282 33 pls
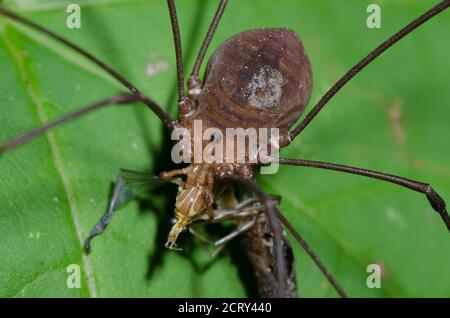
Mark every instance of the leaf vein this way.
pixel 56 153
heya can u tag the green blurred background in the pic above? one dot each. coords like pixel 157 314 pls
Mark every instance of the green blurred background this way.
pixel 393 117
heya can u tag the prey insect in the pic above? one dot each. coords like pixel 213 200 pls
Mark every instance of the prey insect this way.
pixel 228 97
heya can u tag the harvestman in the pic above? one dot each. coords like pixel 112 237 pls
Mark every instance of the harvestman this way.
pixel 198 192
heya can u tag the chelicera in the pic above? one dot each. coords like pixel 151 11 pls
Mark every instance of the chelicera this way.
pixel 257 79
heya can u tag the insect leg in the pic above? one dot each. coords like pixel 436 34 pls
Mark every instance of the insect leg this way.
pixel 178 49
pixel 193 231
pixel 121 99
pixel 258 244
pixel 274 216
pixel 221 215
pixel 241 212
pixel 311 253
pixel 220 243
pixel 174 173
pixel 239 230
pixel 364 62
pixel 163 116
pixel 276 228
pixel 435 200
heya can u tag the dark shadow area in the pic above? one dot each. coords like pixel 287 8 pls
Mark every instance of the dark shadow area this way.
pixel 163 162
pixel 246 271
pixel 167 192
pixel 165 212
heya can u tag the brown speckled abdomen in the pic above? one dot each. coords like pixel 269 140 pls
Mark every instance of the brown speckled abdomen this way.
pixel 258 78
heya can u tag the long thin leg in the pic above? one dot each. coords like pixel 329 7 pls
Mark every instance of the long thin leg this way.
pixel 277 230
pixel 435 200
pixel 311 253
pixel 194 78
pixel 227 215
pixel 178 49
pixel 220 243
pixel 243 210
pixel 364 62
pixel 239 230
pixel 165 118
pixel 237 213
pixel 274 217
pixel 218 248
pixel 121 99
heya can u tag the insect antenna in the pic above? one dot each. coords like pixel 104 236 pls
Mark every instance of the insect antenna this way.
pixel 178 49
pixel 364 62
pixel 165 118
pixel 208 38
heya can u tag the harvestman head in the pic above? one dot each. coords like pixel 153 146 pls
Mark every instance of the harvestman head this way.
pixel 187 104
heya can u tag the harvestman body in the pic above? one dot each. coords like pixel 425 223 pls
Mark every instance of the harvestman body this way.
pixel 257 79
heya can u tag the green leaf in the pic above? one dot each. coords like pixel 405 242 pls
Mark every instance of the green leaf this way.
pixel 392 117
